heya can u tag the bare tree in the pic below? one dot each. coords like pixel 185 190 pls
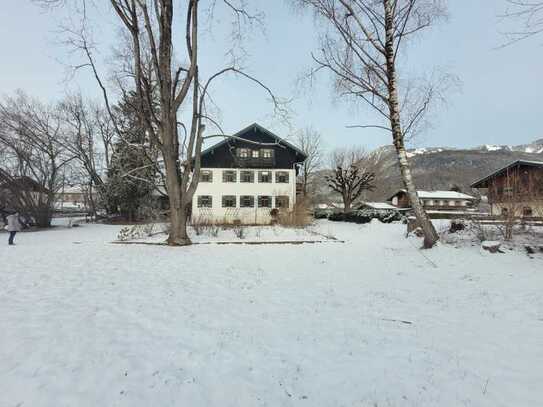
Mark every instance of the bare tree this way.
pixel 310 142
pixel 530 16
pixel 361 48
pixel 31 135
pixel 89 135
pixel 352 175
pixel 177 86
pixel 150 25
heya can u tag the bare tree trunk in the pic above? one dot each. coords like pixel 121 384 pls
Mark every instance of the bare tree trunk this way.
pixel 178 215
pixel 178 212
pixel 430 234
pixel 346 204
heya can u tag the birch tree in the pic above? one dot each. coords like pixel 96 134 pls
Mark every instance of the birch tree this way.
pixel 361 48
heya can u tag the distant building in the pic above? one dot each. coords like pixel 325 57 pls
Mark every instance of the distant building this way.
pixel 435 200
pixel 517 188
pixel 21 190
pixel 378 206
pixel 74 197
pixel 244 177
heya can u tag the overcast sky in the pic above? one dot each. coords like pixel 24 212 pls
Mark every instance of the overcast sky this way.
pixel 499 101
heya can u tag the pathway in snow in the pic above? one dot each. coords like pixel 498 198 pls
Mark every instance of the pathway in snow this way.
pixel 87 323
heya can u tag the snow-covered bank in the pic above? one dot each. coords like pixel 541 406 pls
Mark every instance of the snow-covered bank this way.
pixel 157 234
pixel 88 323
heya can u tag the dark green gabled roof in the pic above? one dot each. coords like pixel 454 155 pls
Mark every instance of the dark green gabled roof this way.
pixel 239 134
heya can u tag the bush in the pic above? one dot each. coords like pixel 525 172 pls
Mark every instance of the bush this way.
pixel 322 213
pixel 239 231
pixel 456 226
pixel 299 217
pixel 365 216
pixel 136 232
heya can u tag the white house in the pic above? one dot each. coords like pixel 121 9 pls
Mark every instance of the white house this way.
pixel 245 176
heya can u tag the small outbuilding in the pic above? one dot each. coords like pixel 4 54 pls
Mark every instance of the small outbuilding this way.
pixel 435 200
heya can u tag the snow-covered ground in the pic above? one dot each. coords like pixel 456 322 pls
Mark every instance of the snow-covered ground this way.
pixel 230 234
pixel 370 322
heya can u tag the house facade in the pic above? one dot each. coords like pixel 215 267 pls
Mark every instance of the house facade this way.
pixel 516 189
pixel 246 176
pixel 73 198
pixel 435 200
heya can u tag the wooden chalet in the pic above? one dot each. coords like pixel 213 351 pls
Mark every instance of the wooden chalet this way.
pixel 516 188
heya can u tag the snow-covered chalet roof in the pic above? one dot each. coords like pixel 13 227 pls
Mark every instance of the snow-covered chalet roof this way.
pixel 483 182
pixel 379 205
pixel 439 195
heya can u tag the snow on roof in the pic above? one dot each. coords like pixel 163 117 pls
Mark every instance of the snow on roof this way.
pixel 379 205
pixel 443 195
pixel 439 195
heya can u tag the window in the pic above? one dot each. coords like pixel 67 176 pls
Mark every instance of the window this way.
pixel 281 177
pixel 205 201
pixel 429 202
pixel 255 154
pixel 264 201
pixel 228 201
pixel 229 176
pixel 267 153
pixel 527 211
pixel 281 202
pixel 247 201
pixel 247 176
pixel 264 176
pixel 206 176
pixel 243 152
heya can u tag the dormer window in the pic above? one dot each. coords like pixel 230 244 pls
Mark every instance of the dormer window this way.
pixel 243 152
pixel 267 153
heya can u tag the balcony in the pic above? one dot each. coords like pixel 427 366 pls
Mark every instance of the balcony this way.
pixel 250 162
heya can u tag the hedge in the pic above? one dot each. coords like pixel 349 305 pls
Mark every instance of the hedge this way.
pixel 366 215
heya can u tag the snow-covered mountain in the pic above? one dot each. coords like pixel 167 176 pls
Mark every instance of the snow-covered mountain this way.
pixel 535 147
